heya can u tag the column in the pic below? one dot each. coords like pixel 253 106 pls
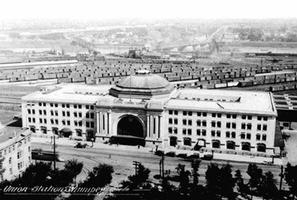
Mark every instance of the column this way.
pixel 98 122
pixel 147 126
pixel 106 123
pixel 151 126
pixel 157 126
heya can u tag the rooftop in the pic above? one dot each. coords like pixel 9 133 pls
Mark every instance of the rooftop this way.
pixel 223 101
pixel 9 135
pixel 69 93
pixel 142 85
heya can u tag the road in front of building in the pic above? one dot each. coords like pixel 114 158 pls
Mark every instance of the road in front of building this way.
pixel 122 161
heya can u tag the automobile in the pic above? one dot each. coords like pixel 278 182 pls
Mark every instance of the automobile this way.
pixel 170 154
pixel 193 156
pixel 159 153
pixel 267 163
pixel 207 157
pixel 80 145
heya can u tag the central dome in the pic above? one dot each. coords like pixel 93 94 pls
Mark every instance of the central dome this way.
pixel 141 85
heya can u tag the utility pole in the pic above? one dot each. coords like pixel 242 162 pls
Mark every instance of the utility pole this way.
pixel 281 178
pixel 136 165
pixel 161 164
pixel 54 152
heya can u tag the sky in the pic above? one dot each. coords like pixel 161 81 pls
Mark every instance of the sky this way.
pixel 147 9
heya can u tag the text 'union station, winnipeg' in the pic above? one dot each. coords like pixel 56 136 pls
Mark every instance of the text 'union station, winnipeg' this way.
pixel 146 109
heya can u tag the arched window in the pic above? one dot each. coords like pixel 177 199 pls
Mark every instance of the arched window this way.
pixel 246 146
pixel 261 147
pixel 187 141
pixel 173 141
pixel 216 144
pixel 230 145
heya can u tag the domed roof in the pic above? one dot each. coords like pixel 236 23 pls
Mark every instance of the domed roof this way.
pixel 143 80
pixel 143 83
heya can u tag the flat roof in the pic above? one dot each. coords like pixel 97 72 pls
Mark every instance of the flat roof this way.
pixel 10 135
pixel 233 101
pixel 69 93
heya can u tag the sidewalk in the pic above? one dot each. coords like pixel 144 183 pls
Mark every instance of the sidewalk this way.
pixel 216 156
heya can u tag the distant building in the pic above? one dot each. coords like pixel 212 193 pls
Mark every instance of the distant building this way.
pixel 146 109
pixel 15 152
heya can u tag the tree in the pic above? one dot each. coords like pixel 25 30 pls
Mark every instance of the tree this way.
pixel 195 166
pixel 291 178
pixel 268 189
pixel 74 167
pixel 184 180
pixel 138 180
pixel 239 182
pixel 100 176
pixel 212 176
pixel 227 181
pixel 256 175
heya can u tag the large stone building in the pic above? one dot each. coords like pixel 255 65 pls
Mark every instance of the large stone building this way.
pixel 147 109
pixel 15 152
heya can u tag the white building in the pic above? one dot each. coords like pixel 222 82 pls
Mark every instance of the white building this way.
pixel 146 109
pixel 15 152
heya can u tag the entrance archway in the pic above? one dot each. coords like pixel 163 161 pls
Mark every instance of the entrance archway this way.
pixel 130 126
pixel 130 131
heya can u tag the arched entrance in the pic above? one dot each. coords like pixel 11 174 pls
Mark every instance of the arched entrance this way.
pixel 130 131
pixel 130 126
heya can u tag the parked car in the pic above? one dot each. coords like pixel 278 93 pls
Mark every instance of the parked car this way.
pixel 80 145
pixel 207 157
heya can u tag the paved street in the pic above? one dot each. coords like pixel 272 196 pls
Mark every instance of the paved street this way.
pixel 122 161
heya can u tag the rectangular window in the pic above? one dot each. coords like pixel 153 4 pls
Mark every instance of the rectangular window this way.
pixel 213 133
pixel 228 116
pixel 249 126
pixel 204 114
pixel 248 136
pixel 228 125
pixel 170 120
pixel 184 131
pixel 213 124
pixel 203 132
pixel 170 130
pixel 264 127
pixel 184 122
pixel 198 132
pixel 204 123
pixel 175 121
pixel 233 125
pixel 198 114
pixel 259 127
pixel 198 122
pixel 233 134
pixel 176 112
pixel 219 124
pixel 189 131
pixel 189 122
pixel 227 134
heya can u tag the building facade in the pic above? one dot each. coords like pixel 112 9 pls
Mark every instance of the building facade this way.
pixel 146 109
pixel 15 152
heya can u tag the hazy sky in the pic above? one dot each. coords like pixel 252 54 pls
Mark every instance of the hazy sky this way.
pixel 147 9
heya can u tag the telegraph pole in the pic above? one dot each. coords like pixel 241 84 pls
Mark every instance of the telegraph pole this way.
pixel 54 152
pixel 136 165
pixel 281 178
